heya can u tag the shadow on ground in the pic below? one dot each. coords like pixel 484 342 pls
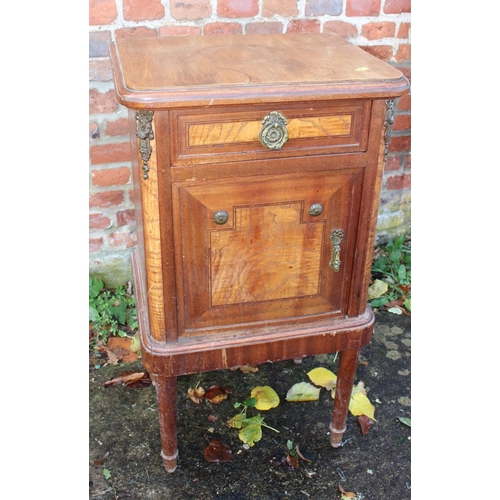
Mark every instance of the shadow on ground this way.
pixel 376 466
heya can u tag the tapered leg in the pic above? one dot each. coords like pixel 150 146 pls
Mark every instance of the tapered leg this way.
pixel 166 392
pixel 348 363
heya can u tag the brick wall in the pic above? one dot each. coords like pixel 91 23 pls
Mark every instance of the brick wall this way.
pixel 381 27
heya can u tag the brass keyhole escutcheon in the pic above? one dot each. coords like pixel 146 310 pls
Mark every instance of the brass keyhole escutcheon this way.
pixel 273 134
pixel 221 217
pixel 336 237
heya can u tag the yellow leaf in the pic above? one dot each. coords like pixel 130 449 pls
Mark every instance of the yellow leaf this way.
pixel 250 434
pixel 360 405
pixel 266 397
pixel 377 289
pixel 323 377
pixel 302 391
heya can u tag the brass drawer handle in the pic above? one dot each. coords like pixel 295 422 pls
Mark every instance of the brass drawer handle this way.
pixel 221 217
pixel 336 237
pixel 273 134
pixel 315 209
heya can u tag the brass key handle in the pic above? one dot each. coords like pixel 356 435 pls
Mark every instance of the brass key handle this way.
pixel 273 134
pixel 336 237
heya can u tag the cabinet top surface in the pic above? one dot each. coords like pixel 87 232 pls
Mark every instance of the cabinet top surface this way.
pixel 175 71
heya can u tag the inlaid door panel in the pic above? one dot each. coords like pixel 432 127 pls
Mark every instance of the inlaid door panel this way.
pixel 261 248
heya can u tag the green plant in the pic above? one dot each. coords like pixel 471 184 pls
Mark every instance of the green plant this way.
pixel 111 311
pixel 392 267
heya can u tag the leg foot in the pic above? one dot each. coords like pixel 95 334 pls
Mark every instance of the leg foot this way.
pixel 348 363
pixel 166 391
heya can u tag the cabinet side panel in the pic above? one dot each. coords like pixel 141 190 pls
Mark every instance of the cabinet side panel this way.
pixel 152 244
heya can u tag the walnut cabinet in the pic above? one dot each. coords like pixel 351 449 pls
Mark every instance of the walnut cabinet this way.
pixel 257 164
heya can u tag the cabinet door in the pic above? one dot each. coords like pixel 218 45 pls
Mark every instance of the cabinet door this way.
pixel 273 258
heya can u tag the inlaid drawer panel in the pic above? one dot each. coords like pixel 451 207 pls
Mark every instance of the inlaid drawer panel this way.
pixel 206 136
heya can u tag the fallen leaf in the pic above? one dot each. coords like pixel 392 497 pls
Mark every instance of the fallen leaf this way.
pixel 212 418
pixel 301 392
pixel 377 289
pixel 237 421
pixel 395 310
pixel 245 369
pixel 405 420
pixel 216 394
pixel 365 423
pixel 120 348
pixel 130 379
pixel 360 405
pixel 323 377
pixel 196 394
pixel 300 454
pixel 292 461
pixel 217 452
pixel 100 461
pixel 135 343
pixel 266 397
pixel 346 494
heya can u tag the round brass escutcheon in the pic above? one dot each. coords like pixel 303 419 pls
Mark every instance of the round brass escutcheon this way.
pixel 273 134
pixel 316 209
pixel 221 217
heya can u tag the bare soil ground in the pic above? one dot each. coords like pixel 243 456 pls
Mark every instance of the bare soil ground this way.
pixel 124 428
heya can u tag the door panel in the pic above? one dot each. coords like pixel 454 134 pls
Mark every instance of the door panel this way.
pixel 270 259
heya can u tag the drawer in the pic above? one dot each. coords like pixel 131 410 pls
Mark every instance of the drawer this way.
pixel 237 133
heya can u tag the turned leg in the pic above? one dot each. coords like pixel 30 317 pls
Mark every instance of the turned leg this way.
pixel 166 392
pixel 348 363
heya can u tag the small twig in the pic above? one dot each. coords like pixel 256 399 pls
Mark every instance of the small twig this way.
pixel 341 474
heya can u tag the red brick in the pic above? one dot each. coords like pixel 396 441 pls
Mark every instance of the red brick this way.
pixel 109 153
pixel 125 217
pixel 118 127
pixel 400 143
pixel 272 8
pixel 223 29
pixel 362 8
pixel 95 244
pixel 341 28
pixel 304 26
pixel 404 103
pixel 264 28
pixel 111 176
pixel 402 122
pixel 406 70
pixel 102 103
pixel 190 9
pixel 126 240
pixel 99 42
pixel 404 53
pixel 408 162
pixel 378 30
pixel 94 130
pixel 237 8
pixel 398 182
pixel 397 6
pixel 323 7
pixel 99 221
pixel 404 30
pixel 393 163
pixel 139 32
pixel 143 10
pixel 100 70
pixel 179 31
pixel 383 52
pixel 106 199
pixel 102 12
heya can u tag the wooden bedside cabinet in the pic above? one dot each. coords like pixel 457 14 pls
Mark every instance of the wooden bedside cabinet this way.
pixel 257 165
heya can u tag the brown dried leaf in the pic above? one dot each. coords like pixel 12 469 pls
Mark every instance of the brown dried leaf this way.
pixel 346 494
pixel 212 418
pixel 196 394
pixel 130 379
pixel 216 394
pixel 217 452
pixel 292 461
pixel 100 461
pixel 120 349
pixel 300 454
pixel 245 369
pixel 365 423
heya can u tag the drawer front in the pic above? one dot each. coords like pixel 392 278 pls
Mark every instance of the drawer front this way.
pixel 207 136
pixel 261 249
